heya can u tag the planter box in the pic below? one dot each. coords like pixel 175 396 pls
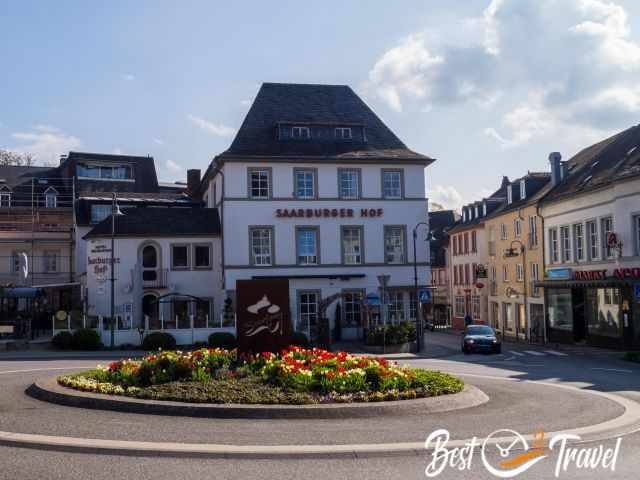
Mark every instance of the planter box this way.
pixel 400 348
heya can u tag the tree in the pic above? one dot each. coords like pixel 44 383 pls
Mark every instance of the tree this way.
pixel 8 157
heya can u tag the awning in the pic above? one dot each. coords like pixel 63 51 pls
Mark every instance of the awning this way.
pixel 338 276
pixel 608 283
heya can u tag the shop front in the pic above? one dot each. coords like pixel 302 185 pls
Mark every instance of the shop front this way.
pixel 596 307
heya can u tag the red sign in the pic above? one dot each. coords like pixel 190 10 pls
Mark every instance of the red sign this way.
pixel 590 275
pixel 327 212
pixel 623 273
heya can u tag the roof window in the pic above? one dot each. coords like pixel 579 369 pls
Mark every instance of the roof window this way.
pixel 301 133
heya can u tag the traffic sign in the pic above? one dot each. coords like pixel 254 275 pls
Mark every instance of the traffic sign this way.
pixel 637 288
pixel 424 295
pixel 372 299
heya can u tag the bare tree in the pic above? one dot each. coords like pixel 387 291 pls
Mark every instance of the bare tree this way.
pixel 7 157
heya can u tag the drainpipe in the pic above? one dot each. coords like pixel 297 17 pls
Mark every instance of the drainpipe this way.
pixel 543 246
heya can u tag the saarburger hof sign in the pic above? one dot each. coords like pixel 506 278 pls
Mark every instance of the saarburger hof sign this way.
pixel 263 317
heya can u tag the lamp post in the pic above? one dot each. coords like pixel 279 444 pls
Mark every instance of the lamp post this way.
pixel 383 280
pixel 115 211
pixel 510 253
pixel 415 283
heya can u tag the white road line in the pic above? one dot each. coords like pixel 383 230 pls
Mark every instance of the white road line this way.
pixel 533 352
pixel 619 370
pixel 44 369
pixel 516 353
pixel 558 354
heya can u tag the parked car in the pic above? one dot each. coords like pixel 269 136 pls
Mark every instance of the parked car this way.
pixel 480 338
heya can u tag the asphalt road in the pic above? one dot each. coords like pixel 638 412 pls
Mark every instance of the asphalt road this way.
pixel 519 405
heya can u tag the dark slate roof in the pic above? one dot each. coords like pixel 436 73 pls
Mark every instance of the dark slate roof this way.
pixel 163 222
pixel 494 202
pixel 611 160
pixel 144 172
pixel 26 183
pixel 279 104
pixel 536 185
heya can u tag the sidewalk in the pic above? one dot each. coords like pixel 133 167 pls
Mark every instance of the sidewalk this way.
pixel 69 355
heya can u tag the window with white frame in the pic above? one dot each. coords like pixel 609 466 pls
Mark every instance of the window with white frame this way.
pixel 475 307
pixel 517 227
pixel 607 228
pixel 300 133
pixel 259 183
pixel 565 243
pixel 413 306
pixel 554 254
pixel 394 244
pixel 519 272
pixel 105 172
pixel 202 256
pixel 261 246
pixel 535 276
pixel 578 241
pixel 533 231
pixel 308 308
pixel 180 257
pixel 459 306
pixel 50 261
pixel 503 231
pixel 523 189
pixel 509 194
pixel 305 183
pixel 392 184
pixel 396 306
pixel 349 184
pixel 307 245
pixel 352 245
pixel 51 198
pixel 352 306
pixel 343 133
pixel 505 273
pixel 507 315
pixel 594 243
pixel 5 197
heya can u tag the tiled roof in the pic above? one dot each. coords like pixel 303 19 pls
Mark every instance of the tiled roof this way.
pixel 157 221
pixel 611 160
pixel 280 104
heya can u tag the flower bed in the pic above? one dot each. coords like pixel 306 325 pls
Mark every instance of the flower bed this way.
pixel 295 376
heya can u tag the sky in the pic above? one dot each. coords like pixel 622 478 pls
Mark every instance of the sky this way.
pixel 487 87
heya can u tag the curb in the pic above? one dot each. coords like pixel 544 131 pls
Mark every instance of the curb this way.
pixel 50 391
pixel 625 424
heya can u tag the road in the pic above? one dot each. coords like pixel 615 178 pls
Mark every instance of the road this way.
pixel 520 404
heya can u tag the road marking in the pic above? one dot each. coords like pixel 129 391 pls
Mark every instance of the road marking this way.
pixel 619 370
pixel 516 353
pixel 45 369
pixel 533 352
pixel 559 354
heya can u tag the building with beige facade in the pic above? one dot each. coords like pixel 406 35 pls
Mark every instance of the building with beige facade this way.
pixel 515 255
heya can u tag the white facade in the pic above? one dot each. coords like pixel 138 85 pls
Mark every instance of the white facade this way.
pixel 137 286
pixel 326 214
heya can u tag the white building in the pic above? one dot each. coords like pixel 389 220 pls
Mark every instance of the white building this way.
pixel 592 253
pixel 316 189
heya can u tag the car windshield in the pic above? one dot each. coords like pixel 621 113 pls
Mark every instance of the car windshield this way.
pixel 479 330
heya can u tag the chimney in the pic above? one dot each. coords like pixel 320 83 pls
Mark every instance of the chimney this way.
pixel 556 169
pixel 505 182
pixel 63 157
pixel 193 182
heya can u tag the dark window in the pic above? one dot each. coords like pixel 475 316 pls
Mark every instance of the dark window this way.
pixel 180 256
pixel 202 256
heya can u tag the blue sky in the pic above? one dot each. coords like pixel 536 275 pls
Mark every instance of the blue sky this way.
pixel 487 87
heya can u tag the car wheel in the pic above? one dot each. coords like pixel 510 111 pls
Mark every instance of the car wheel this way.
pixel 498 349
pixel 466 351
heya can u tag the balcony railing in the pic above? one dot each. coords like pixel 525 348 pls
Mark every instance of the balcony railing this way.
pixel 155 278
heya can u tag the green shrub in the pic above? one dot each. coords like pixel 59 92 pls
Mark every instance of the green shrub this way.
pixel 300 339
pixel 632 356
pixel 224 340
pixel 397 334
pixel 159 340
pixel 86 339
pixel 63 340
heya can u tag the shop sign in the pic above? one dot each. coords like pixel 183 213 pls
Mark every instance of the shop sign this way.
pixel 328 212
pixel 558 273
pixel 623 273
pixel 590 275
pixel 372 299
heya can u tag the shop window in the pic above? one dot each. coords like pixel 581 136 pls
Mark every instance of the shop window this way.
pixel 495 315
pixel 475 307
pixel 603 312
pixel 507 316
pixel 351 304
pixel 413 306
pixel 396 307
pixel 459 306
pixel 560 309
pixel 308 309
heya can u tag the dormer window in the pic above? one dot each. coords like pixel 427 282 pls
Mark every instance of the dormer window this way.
pixel 105 172
pixel 509 194
pixel 5 197
pixel 300 133
pixel 342 133
pixel 476 210
pixel 523 190
pixel 51 198
pixel 484 209
pixel 464 214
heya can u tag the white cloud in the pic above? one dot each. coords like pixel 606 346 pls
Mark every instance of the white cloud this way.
pixel 46 145
pixel 158 141
pixel 490 23
pixel 246 102
pixel 46 128
pixel 173 166
pixel 447 196
pixel 608 22
pixel 116 151
pixel 128 77
pixel 215 129
pixel 404 69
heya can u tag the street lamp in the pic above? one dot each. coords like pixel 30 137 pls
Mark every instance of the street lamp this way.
pixel 115 211
pixel 513 252
pixel 415 283
pixel 383 280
